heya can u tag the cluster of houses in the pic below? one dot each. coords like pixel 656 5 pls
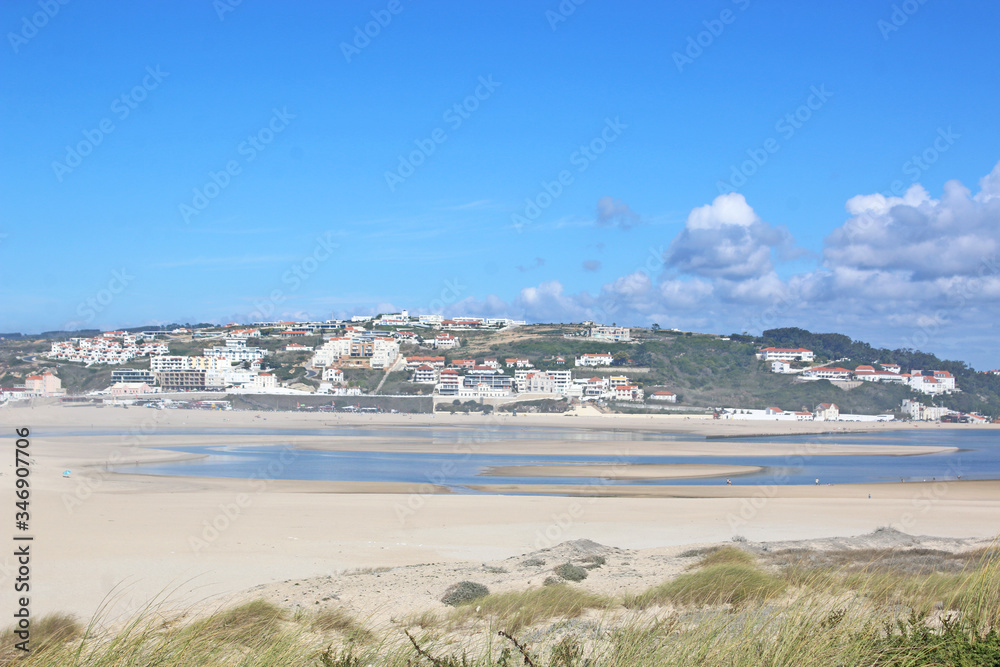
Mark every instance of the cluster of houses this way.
pixel 489 378
pixel 924 382
pixel 111 348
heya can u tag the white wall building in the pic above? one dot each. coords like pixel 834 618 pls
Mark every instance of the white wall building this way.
pixel 786 354
pixel 599 359
pixel 614 334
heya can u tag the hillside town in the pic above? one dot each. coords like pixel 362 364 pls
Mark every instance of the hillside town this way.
pixel 256 359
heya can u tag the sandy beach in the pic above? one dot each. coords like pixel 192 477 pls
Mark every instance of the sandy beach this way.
pixel 130 537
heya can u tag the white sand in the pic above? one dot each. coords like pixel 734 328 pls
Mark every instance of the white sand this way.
pixel 133 537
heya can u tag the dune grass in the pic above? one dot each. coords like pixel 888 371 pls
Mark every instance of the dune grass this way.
pixel 516 610
pixel 729 611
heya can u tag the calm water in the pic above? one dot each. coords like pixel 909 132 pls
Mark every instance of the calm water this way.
pixel 978 458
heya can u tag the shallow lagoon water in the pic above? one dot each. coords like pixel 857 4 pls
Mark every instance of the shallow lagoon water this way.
pixel 977 458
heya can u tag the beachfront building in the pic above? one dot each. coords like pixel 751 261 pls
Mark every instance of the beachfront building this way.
pixel 628 392
pixel 133 375
pixel 265 381
pixel 600 359
pixel 449 382
pixel 786 354
pixel 826 412
pixel 424 374
pixel 668 396
pixel 486 385
pixel 130 388
pixel 45 385
pixel 181 380
pixel 917 411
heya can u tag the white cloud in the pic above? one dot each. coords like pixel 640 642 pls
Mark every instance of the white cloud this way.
pixel 611 211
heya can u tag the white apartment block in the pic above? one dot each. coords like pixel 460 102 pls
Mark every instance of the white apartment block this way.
pixel 786 354
pixel 542 382
pixel 614 334
pixel 169 362
pixel 424 374
pixel 920 412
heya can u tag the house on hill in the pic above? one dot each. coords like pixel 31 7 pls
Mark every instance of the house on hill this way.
pixel 786 354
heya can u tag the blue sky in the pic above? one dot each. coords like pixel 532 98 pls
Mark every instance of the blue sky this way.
pixel 253 164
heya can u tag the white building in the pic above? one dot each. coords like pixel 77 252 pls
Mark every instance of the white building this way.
pixel 334 375
pixel 445 341
pixel 628 392
pixel 425 374
pixel 826 412
pixel 827 373
pixel 920 412
pixel 867 373
pixel 265 381
pixel 668 396
pixel 236 351
pixel 786 354
pixel 614 334
pixel 599 359
pixel 938 382
pixel 779 366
